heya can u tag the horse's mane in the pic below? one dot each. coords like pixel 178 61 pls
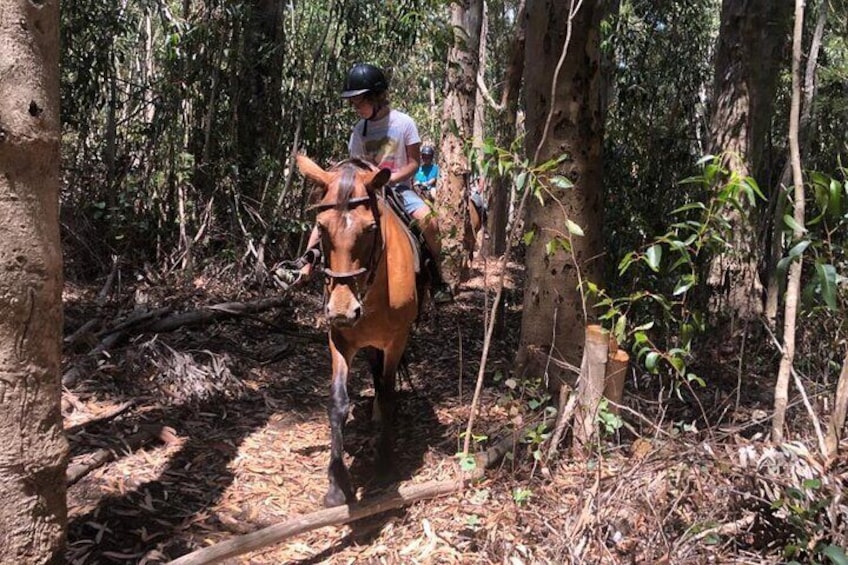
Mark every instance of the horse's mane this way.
pixel 349 168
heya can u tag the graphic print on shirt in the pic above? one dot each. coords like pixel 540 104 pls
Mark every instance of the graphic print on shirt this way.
pixel 382 152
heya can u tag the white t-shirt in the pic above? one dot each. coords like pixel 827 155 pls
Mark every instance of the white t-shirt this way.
pixel 385 140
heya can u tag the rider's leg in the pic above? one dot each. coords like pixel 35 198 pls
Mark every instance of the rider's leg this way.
pixel 429 226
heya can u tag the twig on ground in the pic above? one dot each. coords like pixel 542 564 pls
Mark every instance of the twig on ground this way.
pixel 108 415
pixel 77 471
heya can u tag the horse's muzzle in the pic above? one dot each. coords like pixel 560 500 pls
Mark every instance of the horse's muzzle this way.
pixel 343 310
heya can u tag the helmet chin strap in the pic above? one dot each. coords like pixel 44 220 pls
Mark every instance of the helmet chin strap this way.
pixel 375 109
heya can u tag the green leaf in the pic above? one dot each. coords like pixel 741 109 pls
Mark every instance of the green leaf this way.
pixel 751 183
pixel 620 328
pixel 562 182
pixel 654 256
pixel 520 181
pixel 644 327
pixel 812 484
pixel 827 284
pixel 684 284
pixel 692 206
pixel 693 378
pixel 651 361
pixel 836 554
pixel 834 204
pixel 528 237
pixel 792 224
pixel 625 263
pixel 686 333
pixel 799 248
pixel 467 462
pixel 573 228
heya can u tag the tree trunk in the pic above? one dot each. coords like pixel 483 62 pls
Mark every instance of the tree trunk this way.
pixel 805 135
pixel 457 126
pixel 500 191
pixel 793 286
pixel 33 452
pixel 563 121
pixel 259 105
pixel 748 57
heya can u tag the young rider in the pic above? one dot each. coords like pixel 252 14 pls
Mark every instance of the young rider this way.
pixel 389 139
pixel 428 172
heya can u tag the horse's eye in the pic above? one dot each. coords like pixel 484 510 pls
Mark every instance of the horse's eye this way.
pixel 372 227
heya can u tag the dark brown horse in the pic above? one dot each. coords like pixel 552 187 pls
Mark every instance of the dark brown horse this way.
pixel 371 298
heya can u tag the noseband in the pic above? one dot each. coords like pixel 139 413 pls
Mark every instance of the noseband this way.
pixel 377 247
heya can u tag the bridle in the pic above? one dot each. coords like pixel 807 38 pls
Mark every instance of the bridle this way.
pixel 377 247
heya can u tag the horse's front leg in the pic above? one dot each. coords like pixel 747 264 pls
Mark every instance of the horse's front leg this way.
pixel 339 490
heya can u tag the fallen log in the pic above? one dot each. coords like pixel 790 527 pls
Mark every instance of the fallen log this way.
pixel 336 516
pixel 213 313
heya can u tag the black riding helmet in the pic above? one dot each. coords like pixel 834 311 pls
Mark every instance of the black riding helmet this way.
pixel 428 150
pixel 362 78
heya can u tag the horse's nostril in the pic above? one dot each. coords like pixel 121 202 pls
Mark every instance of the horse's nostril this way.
pixel 357 312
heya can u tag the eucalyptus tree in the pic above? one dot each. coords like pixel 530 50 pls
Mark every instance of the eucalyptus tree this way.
pixel 562 90
pixel 508 35
pixel 749 58
pixel 33 456
pixel 457 129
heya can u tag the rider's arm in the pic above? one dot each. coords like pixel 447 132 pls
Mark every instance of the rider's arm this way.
pixel 406 172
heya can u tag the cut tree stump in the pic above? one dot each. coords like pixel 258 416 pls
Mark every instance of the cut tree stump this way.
pixel 590 389
pixel 616 374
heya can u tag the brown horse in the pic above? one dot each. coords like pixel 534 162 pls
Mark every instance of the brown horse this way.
pixel 371 298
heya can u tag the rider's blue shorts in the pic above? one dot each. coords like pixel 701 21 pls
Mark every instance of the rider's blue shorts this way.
pixel 411 200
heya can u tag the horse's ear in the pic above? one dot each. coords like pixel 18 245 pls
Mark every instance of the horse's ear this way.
pixel 380 178
pixel 311 170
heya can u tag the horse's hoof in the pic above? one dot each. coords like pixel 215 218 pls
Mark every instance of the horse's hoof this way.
pixel 334 497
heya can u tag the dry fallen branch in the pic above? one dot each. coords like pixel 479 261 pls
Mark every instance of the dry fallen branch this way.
pixel 153 322
pixel 108 415
pixel 213 313
pixel 76 471
pixel 403 496
pixel 338 515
